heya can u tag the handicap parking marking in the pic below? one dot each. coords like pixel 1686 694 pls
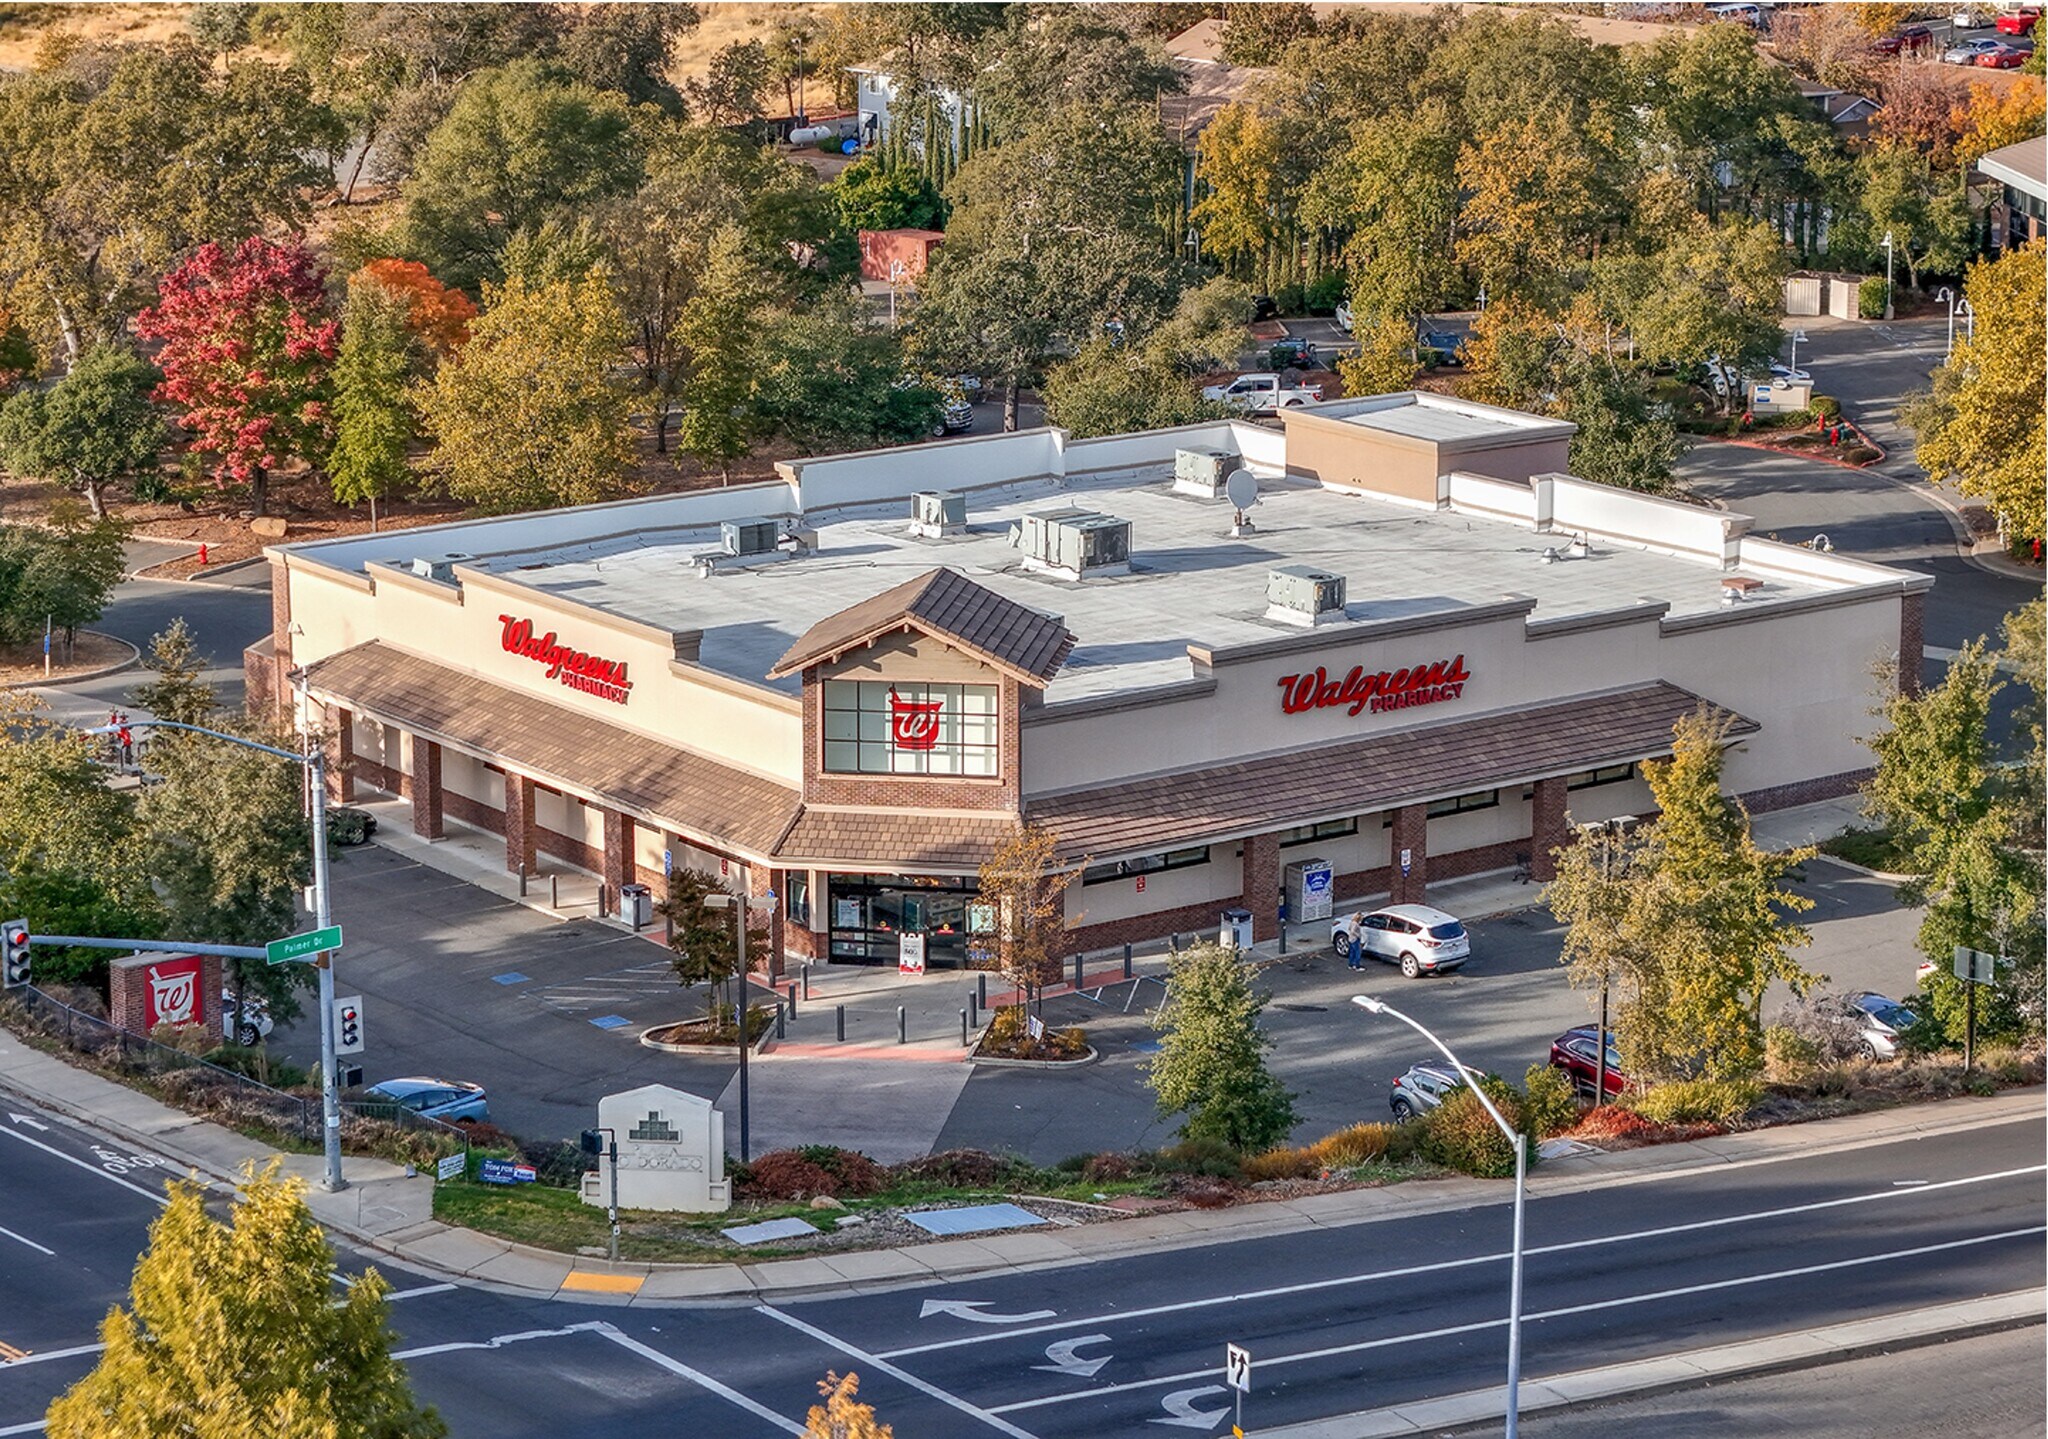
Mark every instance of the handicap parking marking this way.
pixel 607 991
pixel 612 1021
pixel 511 977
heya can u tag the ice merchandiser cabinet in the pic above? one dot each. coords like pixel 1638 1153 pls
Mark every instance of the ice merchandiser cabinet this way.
pixel 1311 889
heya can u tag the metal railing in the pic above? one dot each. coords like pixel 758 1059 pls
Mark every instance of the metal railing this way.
pixel 209 1090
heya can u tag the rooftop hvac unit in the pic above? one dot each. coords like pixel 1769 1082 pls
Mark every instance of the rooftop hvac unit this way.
pixel 748 537
pixel 1202 472
pixel 1075 543
pixel 935 514
pixel 1298 595
pixel 442 569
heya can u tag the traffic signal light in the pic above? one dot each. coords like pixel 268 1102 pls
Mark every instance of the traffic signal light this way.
pixel 593 1141
pixel 348 1025
pixel 14 965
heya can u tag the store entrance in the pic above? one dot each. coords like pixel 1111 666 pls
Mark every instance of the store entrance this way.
pixel 871 912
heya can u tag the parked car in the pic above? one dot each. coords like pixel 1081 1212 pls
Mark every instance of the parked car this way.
pixel 2018 22
pixel 1344 316
pixel 452 1101
pixel 1293 354
pixel 1968 19
pixel 956 415
pixel 1577 1053
pixel 1423 1088
pixel 1911 38
pixel 1419 939
pixel 347 825
pixel 1262 393
pixel 1881 1021
pixel 2005 57
pixel 1966 52
pixel 1744 14
pixel 1263 308
pixel 256 1021
pixel 1782 371
pixel 1448 344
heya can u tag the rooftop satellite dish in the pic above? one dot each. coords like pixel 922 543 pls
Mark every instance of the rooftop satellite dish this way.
pixel 1242 488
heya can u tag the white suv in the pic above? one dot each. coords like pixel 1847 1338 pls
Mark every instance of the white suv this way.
pixel 1419 939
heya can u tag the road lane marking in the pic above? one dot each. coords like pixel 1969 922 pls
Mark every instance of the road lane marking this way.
pixel 874 1361
pixel 1336 1350
pixel 24 1239
pixel 1439 1266
pixel 421 1291
pixel 698 1377
pixel 497 1341
pixel 35 1428
pixel 88 1168
pixel 48 1354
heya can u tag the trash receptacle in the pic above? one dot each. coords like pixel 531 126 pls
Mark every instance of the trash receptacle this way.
pixel 1237 929
pixel 636 904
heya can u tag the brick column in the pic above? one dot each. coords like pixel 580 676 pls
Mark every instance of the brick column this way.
pixel 1262 885
pixel 518 823
pixel 1546 828
pixel 1411 832
pixel 618 856
pixel 340 746
pixel 1912 643
pixel 760 881
pixel 426 789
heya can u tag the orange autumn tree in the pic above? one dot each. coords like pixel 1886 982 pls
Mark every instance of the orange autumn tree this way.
pixel 1995 116
pixel 438 314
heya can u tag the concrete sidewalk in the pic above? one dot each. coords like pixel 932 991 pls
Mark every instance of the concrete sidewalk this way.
pixel 388 1209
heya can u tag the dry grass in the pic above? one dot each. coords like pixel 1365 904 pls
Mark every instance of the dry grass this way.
pixel 25 26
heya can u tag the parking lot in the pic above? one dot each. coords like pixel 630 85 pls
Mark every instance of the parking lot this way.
pixel 545 1013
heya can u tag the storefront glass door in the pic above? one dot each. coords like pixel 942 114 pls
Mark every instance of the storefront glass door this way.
pixel 871 912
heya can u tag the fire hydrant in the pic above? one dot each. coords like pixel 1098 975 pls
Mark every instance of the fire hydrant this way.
pixel 202 554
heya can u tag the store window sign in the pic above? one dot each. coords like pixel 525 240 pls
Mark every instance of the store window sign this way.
pixel 1358 692
pixel 577 669
pixel 913 724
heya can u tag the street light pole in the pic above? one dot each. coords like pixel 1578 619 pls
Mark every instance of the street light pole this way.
pixel 1888 274
pixel 1948 297
pixel 1514 1397
pixel 1969 314
pixel 314 760
pixel 739 904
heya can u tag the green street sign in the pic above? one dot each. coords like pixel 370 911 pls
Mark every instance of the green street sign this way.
pixel 298 946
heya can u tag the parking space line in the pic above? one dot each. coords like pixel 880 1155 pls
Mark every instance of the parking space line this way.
pixel 873 1361
pixel 24 1239
pixel 48 1354
pixel 88 1168
pixel 701 1379
pixel 1337 1350
pixel 1566 1246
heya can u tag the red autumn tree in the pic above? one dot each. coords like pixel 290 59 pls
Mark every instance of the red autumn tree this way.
pixel 438 314
pixel 247 346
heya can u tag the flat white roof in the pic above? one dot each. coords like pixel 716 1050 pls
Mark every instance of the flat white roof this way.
pixel 1423 415
pixel 1191 581
pixel 1428 422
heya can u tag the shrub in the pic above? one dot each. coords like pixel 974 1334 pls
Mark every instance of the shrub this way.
pixel 1324 293
pixel 559 1165
pixel 1348 1148
pixel 1282 1163
pixel 959 1169
pixel 786 1174
pixel 1825 1023
pixel 1825 405
pixel 1110 1167
pixel 1698 1101
pixel 1552 1100
pixel 1291 299
pixel 1071 1041
pixel 1610 1123
pixel 1459 1134
pixel 1789 1056
pixel 1870 297
pixel 1859 454
pixel 852 1172
pixel 1211 1157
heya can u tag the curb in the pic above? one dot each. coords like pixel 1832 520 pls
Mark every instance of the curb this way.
pixel 1882 454
pixel 1776 1353
pixel 134 659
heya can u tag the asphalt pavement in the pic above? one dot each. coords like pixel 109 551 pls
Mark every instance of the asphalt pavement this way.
pixel 1350 1318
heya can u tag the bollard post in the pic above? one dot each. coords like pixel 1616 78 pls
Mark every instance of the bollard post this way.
pixel 781 1030
pixel 807 980
pixel 981 987
pixel 792 999
pixel 522 884
pixel 554 891
pixel 842 1023
pixel 902 1025
pixel 1077 974
pixel 1127 962
pixel 963 1029
pixel 973 1008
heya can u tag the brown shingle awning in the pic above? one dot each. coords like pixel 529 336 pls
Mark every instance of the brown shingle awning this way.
pixel 1354 777
pixel 910 841
pixel 700 797
pixel 1025 643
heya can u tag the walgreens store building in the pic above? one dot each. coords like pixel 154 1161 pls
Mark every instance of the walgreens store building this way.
pixel 1420 654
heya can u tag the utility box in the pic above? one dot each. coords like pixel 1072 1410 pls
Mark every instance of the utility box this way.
pixel 1075 543
pixel 1311 889
pixel 1236 931
pixel 1202 472
pixel 935 514
pixel 1301 595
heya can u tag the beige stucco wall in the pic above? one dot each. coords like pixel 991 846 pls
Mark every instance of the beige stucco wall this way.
pixel 1349 456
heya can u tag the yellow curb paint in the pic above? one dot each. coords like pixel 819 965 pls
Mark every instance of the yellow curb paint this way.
pixel 605 1283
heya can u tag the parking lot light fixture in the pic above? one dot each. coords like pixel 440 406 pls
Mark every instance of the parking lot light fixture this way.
pixel 1514 1395
pixel 739 904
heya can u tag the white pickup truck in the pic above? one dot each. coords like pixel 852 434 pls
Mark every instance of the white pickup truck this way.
pixel 1261 393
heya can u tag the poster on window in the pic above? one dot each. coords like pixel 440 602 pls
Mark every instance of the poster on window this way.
pixel 910 954
pixel 846 914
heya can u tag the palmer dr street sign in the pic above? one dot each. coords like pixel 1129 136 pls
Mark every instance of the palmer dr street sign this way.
pixel 298 946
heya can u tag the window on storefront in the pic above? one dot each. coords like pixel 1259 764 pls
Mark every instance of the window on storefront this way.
pixel 875 727
pixel 1461 804
pixel 1145 864
pixel 1606 774
pixel 1310 833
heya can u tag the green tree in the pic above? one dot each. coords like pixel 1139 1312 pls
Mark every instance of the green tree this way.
pixel 1540 190
pixel 1512 355
pixel 521 145
pixel 730 91
pixel 715 333
pixel 1713 290
pixel 1239 207
pixel 1211 1064
pixel 1983 425
pixel 825 380
pixel 1926 213
pixel 1385 361
pixel 1622 439
pixel 871 195
pixel 1971 827
pixel 701 946
pixel 234 1329
pixel 1725 117
pixel 1692 924
pixel 179 692
pixel 93 429
pixel 64 575
pixel 1143 382
pixel 1393 192
pixel 373 414
pixel 1260 34
pixel 628 49
pixel 1019 911
pixel 527 416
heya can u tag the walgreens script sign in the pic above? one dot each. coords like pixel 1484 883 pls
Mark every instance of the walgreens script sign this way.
pixel 1358 692
pixel 592 674
pixel 172 993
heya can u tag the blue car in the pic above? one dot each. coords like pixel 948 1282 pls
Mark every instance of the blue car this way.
pixel 452 1101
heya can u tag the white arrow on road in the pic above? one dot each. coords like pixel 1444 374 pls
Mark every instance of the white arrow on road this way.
pixel 24 1119
pixel 971 1309
pixel 1180 1407
pixel 1066 1361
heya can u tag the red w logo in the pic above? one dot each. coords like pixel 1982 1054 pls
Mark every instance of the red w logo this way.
pixel 914 724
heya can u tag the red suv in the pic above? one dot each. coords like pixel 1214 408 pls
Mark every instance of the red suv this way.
pixel 1576 1052
pixel 2018 22
pixel 1913 37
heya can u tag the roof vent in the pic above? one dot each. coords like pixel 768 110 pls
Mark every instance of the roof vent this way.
pixel 1202 472
pixel 442 569
pixel 1298 595
pixel 1074 543
pixel 935 514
